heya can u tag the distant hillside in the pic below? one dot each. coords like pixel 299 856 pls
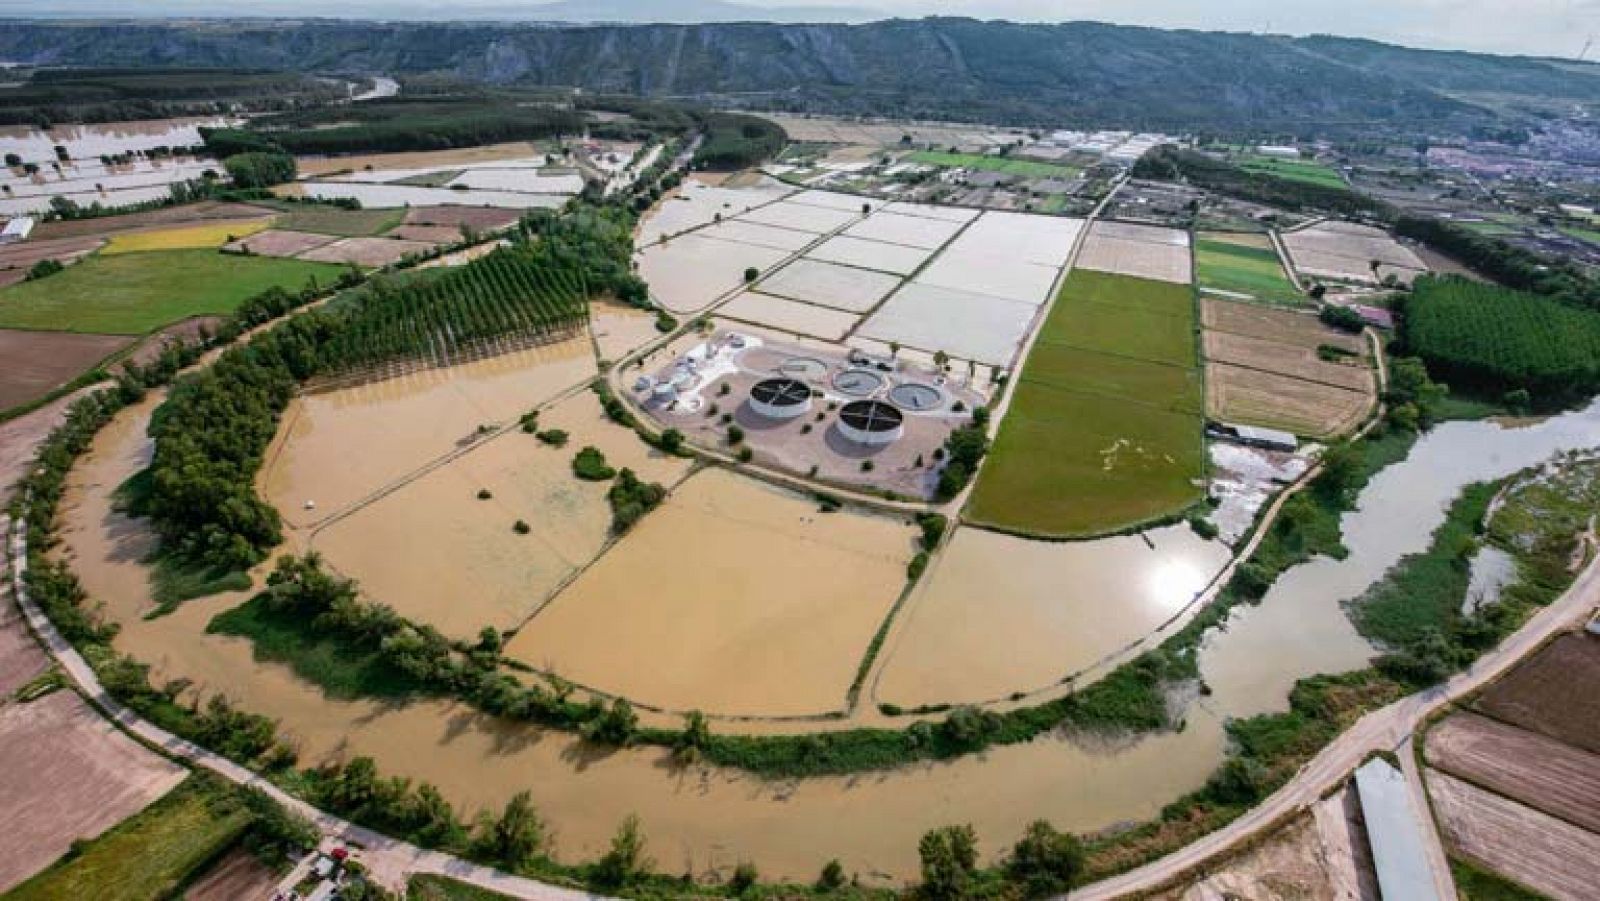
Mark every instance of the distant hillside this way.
pixel 1077 73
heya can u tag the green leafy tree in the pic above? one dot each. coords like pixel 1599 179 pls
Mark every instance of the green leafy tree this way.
pixel 949 862
pixel 1045 862
pixel 518 836
pixel 626 860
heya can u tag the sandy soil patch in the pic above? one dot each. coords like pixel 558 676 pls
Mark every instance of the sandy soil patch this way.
pixel 1541 772
pixel 1288 326
pixel 403 423
pixel 830 285
pixel 83 777
pixel 1250 396
pixel 789 315
pixel 1286 359
pixel 424 159
pixel 1020 615
pixel 365 251
pixel 279 242
pixel 1552 693
pixel 430 234
pixel 1291 863
pixel 37 363
pixel 875 255
pixel 1546 854
pixel 619 328
pixel 801 216
pixel 755 233
pixel 239 875
pixel 464 568
pixel 1141 251
pixel 911 231
pixel 965 325
pixel 991 274
pixel 687 273
pixel 733 598
pixel 477 217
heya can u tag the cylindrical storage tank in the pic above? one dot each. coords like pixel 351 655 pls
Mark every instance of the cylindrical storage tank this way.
pixel 871 422
pixel 781 398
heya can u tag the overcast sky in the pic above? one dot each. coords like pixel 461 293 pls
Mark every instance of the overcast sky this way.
pixel 1540 27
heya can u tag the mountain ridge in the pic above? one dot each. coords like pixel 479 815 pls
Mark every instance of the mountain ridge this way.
pixel 1078 73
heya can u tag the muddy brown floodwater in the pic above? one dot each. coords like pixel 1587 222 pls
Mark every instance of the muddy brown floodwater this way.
pixel 998 614
pixel 439 554
pixel 702 819
pixel 338 447
pixel 734 598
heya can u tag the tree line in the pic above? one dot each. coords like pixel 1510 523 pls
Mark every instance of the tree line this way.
pixel 1512 266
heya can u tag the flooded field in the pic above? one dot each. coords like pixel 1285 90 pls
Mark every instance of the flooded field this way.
pixel 733 598
pixel 463 567
pixel 1021 615
pixel 337 447
pixel 619 328
pixel 91 141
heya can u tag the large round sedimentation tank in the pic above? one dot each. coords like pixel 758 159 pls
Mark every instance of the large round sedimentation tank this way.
pixel 781 398
pixel 857 382
pixel 871 422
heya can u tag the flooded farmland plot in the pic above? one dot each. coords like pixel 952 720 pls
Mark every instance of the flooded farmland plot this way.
pixel 696 204
pixel 734 598
pixel 619 328
pixel 105 138
pixel 336 447
pixel 1022 615
pixel 704 819
pixel 438 553
pixel 875 255
pixel 687 273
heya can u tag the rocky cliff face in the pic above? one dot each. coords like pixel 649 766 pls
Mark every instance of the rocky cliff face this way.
pixel 955 68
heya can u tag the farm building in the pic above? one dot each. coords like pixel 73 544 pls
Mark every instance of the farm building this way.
pixel 1395 831
pixel 1279 151
pixel 1252 436
pixel 17 230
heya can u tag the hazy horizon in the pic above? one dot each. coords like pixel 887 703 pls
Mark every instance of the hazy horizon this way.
pixel 1558 28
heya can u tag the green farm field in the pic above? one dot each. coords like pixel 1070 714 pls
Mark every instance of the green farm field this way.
pixel 1105 429
pixel 150 855
pixel 1233 268
pixel 1303 171
pixel 1024 168
pixel 135 293
pixel 325 219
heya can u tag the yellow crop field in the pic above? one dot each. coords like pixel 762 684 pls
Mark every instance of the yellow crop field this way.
pixel 214 234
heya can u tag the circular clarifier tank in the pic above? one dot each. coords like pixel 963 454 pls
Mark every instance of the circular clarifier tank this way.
pixel 857 382
pixel 916 396
pixel 871 422
pixel 781 398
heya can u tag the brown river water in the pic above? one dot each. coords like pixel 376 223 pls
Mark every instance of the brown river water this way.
pixel 700 819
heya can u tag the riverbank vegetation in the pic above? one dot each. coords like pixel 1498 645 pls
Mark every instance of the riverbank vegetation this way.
pixel 159 851
pixel 1420 611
